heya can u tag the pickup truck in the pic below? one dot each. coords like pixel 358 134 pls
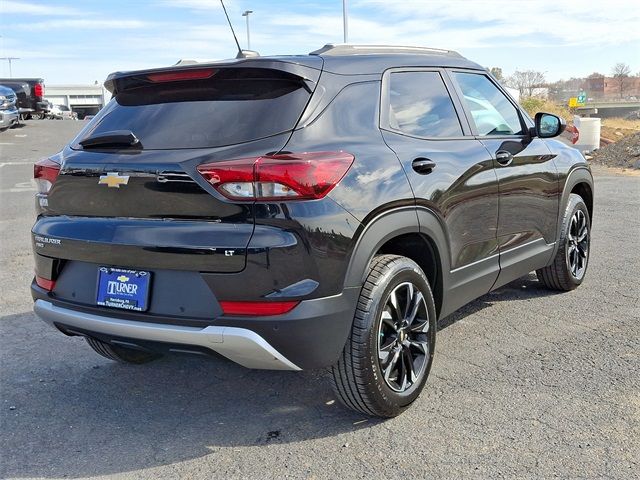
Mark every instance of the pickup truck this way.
pixel 30 93
pixel 8 110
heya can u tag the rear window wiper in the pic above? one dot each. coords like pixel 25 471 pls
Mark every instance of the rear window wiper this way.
pixel 112 139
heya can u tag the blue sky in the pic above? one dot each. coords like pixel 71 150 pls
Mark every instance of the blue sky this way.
pixel 83 41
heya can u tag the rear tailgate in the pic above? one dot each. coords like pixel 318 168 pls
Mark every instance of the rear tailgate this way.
pixel 148 207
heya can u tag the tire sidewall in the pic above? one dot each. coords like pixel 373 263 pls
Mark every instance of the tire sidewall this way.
pixel 402 271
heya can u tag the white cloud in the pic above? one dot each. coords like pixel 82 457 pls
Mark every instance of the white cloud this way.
pixel 28 8
pixel 468 23
pixel 84 24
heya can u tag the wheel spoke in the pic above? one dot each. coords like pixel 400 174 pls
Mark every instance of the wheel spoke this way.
pixel 409 302
pixel 417 301
pixel 422 345
pixel 385 351
pixel 389 368
pixel 409 371
pixel 582 233
pixel 421 325
pixel 393 300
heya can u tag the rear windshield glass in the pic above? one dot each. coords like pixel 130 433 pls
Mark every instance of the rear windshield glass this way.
pixel 233 106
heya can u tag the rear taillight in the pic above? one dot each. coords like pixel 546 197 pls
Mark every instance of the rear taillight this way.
pixel 257 309
pixel 45 173
pixel 42 282
pixel 290 176
pixel 38 90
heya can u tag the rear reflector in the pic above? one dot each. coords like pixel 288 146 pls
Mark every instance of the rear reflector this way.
pixel 199 74
pixel 44 283
pixel 45 173
pixel 257 309
pixel 285 176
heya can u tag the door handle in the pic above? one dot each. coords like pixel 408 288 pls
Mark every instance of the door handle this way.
pixel 423 166
pixel 503 157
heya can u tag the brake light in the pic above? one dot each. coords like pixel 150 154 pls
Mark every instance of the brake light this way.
pixel 38 90
pixel 199 74
pixel 257 309
pixel 45 173
pixel 286 176
pixel 45 283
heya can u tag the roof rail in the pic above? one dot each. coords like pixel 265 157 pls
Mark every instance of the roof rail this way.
pixel 348 49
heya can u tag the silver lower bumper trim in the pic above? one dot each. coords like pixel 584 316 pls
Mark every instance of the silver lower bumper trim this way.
pixel 237 344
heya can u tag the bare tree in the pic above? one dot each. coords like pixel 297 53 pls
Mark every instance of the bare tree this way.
pixel 621 72
pixel 526 81
pixel 497 72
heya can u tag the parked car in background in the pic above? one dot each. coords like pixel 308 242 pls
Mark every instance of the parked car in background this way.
pixel 311 211
pixel 61 112
pixel 8 111
pixel 34 96
pixel 23 97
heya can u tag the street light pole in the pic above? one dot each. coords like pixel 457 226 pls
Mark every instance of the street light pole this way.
pixel 345 21
pixel 246 14
pixel 10 59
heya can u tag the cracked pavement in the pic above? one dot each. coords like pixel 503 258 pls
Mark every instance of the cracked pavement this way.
pixel 526 382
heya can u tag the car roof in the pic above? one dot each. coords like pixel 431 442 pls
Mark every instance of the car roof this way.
pixel 344 59
pixel 370 59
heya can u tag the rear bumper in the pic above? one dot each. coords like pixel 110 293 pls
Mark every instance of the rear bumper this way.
pixel 238 344
pixel 312 335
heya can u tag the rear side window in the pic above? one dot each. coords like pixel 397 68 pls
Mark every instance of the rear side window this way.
pixel 492 113
pixel 420 105
pixel 232 106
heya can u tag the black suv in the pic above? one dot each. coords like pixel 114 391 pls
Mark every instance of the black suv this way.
pixel 298 212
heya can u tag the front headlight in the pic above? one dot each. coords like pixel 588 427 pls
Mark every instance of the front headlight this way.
pixel 2 98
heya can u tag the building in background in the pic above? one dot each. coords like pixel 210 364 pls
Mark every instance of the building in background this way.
pixel 83 99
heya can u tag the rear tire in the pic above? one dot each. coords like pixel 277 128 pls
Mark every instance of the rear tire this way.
pixel 569 266
pixel 387 357
pixel 120 354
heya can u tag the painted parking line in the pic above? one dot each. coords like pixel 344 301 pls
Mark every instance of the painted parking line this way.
pixel 28 186
pixel 26 162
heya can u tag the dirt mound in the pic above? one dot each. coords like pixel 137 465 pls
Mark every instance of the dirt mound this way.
pixel 624 153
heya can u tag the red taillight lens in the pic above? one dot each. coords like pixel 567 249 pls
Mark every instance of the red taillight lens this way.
pixel 38 89
pixel 45 283
pixel 257 309
pixel 199 74
pixel 291 176
pixel 45 173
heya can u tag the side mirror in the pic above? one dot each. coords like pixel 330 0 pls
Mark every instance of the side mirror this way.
pixel 549 125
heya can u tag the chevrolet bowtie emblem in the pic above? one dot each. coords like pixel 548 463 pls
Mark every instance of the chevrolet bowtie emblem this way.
pixel 113 180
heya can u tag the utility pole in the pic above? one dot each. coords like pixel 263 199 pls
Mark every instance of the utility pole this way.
pixel 246 14
pixel 345 21
pixel 10 59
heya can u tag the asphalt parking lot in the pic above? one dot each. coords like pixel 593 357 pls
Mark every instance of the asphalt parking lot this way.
pixel 526 382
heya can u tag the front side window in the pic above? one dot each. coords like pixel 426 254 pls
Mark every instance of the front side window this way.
pixel 419 104
pixel 492 113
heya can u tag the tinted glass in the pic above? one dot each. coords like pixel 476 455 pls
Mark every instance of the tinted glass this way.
pixel 233 106
pixel 420 105
pixel 492 113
